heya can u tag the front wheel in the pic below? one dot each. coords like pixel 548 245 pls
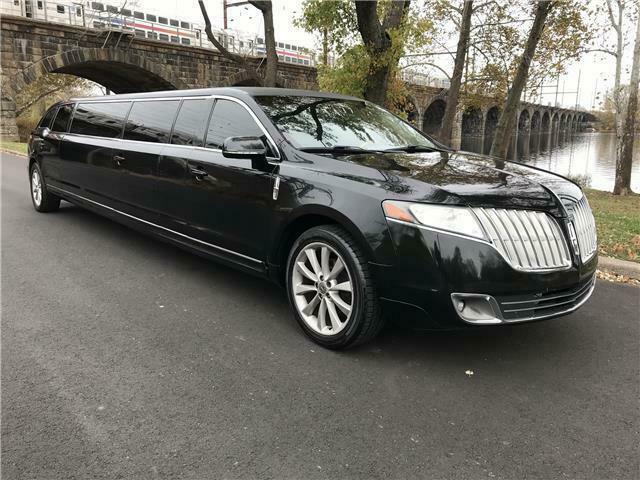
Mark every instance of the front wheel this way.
pixel 42 199
pixel 331 289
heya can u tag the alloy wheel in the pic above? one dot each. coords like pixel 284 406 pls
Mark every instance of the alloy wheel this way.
pixel 36 187
pixel 322 288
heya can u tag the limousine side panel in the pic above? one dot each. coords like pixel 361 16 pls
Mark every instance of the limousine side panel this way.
pixel 245 263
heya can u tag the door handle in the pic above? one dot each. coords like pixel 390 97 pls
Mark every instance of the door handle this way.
pixel 119 160
pixel 198 173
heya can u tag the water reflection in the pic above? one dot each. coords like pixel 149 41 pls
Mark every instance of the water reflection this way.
pixel 569 153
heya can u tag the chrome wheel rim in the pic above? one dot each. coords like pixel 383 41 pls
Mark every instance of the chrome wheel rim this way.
pixel 322 289
pixel 36 187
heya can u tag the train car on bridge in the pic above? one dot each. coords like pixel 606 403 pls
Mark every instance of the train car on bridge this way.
pixel 103 16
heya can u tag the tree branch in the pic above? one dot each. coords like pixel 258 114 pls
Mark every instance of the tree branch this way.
pixel 35 100
pixel 430 65
pixel 212 38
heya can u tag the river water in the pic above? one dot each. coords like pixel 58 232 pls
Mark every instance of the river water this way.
pixel 571 154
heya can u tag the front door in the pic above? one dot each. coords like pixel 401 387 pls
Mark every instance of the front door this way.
pixel 230 202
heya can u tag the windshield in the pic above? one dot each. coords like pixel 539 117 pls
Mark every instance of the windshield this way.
pixel 315 122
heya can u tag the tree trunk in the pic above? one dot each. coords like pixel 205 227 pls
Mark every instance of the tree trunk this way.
pixel 617 100
pixel 375 36
pixel 456 78
pixel 507 121
pixel 625 158
pixel 271 69
pixel 325 47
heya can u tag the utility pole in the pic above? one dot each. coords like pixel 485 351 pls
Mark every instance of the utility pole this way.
pixel 226 5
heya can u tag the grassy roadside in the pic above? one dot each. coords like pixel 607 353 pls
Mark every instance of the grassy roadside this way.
pixel 15 147
pixel 618 222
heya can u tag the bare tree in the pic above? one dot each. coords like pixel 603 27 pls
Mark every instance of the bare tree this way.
pixel 375 35
pixel 456 78
pixel 625 157
pixel 615 19
pixel 507 121
pixel 271 67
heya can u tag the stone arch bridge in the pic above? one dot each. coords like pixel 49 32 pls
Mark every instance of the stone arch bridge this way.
pixel 31 49
pixel 474 126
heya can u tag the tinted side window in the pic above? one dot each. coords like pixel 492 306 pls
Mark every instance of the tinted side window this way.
pixel 62 119
pixel 46 120
pixel 99 119
pixel 230 119
pixel 151 121
pixel 192 122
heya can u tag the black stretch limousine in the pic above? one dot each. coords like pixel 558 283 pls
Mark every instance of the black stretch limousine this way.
pixel 350 208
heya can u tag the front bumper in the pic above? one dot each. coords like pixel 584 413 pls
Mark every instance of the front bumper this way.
pixel 435 271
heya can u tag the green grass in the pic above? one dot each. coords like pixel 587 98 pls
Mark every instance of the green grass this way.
pixel 618 222
pixel 17 147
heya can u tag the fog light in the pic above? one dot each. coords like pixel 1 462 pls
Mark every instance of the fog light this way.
pixel 477 308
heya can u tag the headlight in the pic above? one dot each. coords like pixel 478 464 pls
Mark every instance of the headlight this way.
pixel 460 220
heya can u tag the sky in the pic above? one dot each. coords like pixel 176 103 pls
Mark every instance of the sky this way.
pixel 594 70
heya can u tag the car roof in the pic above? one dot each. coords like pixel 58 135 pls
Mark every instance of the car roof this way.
pixel 238 92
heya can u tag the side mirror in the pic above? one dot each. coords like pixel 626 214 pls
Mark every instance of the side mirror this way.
pixel 42 132
pixel 251 148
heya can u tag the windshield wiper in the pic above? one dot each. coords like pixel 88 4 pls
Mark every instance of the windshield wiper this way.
pixel 413 149
pixel 337 149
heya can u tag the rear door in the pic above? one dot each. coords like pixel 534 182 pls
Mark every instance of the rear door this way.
pixel 50 148
pixel 88 156
pixel 38 142
pixel 146 134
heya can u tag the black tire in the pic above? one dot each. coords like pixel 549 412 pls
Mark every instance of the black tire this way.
pixel 48 202
pixel 366 320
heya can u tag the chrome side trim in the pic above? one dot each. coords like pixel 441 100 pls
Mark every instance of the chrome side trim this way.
pixel 106 207
pixel 475 239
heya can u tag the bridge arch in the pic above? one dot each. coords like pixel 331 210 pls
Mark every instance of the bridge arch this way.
pixel 432 117
pixel 524 120
pixel 490 123
pixel 410 108
pixel 472 128
pixel 545 124
pixel 117 70
pixel 535 121
pixel 535 129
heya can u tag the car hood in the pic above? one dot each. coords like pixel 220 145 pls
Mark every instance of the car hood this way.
pixel 464 178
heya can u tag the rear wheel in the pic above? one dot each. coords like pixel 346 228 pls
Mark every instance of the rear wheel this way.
pixel 43 200
pixel 331 288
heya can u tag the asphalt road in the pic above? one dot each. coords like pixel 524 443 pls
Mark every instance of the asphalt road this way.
pixel 123 357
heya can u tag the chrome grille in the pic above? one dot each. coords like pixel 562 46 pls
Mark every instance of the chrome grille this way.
pixel 532 307
pixel 585 226
pixel 528 240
